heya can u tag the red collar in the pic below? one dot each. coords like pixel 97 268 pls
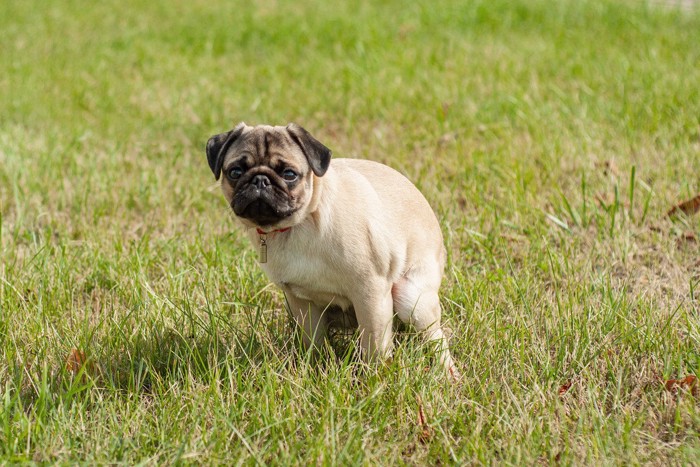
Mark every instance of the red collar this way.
pixel 262 232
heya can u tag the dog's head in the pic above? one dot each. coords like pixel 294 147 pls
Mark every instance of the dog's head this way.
pixel 268 172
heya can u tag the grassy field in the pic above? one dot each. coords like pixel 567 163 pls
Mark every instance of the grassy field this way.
pixel 550 137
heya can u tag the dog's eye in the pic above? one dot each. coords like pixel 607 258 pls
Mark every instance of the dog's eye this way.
pixel 289 175
pixel 235 173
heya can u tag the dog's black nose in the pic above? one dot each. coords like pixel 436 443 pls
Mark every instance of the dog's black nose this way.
pixel 261 181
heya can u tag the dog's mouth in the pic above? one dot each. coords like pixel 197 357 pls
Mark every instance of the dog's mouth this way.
pixel 263 207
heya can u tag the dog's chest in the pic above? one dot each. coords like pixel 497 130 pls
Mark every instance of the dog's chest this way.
pixel 318 297
pixel 306 273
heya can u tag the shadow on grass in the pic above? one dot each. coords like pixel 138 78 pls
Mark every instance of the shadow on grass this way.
pixel 153 361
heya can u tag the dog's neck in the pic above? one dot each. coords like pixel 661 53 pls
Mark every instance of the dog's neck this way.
pixel 262 232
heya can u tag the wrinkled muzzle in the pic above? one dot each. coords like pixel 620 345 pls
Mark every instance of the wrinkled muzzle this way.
pixel 264 205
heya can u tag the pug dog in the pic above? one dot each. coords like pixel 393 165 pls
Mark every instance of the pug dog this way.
pixel 350 243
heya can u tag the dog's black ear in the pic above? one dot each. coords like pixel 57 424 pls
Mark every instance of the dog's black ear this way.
pixel 317 154
pixel 218 145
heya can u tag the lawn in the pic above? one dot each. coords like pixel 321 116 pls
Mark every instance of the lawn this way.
pixel 551 138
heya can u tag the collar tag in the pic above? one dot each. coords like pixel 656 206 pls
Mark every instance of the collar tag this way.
pixel 262 257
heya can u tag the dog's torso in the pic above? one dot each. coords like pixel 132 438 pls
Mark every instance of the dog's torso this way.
pixel 317 264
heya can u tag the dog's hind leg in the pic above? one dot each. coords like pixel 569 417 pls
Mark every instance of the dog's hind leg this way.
pixel 420 306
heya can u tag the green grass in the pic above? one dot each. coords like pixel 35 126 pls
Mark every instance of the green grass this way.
pixel 550 137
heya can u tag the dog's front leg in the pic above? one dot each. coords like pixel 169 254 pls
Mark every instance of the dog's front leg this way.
pixel 375 313
pixel 310 319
